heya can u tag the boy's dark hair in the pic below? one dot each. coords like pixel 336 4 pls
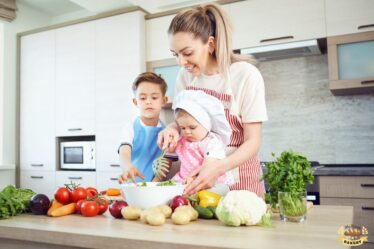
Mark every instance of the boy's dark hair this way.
pixel 152 78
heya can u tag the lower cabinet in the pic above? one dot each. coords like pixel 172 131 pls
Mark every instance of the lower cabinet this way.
pixel 356 191
pixel 107 180
pixel 83 178
pixel 41 182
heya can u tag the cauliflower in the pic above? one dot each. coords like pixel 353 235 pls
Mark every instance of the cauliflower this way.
pixel 241 207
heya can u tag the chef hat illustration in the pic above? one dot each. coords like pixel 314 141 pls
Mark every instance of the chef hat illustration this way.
pixel 207 110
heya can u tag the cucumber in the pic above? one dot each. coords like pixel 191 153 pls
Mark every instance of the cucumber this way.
pixel 204 213
pixel 213 209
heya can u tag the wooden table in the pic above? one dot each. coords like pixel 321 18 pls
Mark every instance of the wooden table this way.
pixel 32 231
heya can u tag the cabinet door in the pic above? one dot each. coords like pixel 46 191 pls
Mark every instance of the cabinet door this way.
pixel 83 178
pixel 264 22
pixel 349 16
pixel 119 48
pixel 107 180
pixel 75 81
pixel 37 98
pixel 41 182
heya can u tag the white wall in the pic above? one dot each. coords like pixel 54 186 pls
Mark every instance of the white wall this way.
pixel 27 19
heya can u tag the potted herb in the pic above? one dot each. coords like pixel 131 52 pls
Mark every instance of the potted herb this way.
pixel 287 178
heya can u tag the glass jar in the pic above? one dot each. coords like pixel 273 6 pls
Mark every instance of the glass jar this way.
pixel 292 206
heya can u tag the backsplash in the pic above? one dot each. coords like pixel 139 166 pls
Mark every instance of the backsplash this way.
pixel 304 115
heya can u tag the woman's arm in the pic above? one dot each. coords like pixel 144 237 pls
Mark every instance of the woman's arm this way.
pixel 208 174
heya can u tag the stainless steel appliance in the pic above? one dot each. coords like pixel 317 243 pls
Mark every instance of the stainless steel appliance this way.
pixel 77 155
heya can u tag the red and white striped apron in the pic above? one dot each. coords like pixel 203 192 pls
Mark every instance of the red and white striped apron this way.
pixel 250 172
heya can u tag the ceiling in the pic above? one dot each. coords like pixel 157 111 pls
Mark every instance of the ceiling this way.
pixel 63 7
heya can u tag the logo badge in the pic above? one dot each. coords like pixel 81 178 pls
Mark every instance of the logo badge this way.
pixel 353 235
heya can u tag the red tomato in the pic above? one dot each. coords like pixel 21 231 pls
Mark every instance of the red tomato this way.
pixel 78 206
pixel 89 208
pixel 91 192
pixel 79 194
pixel 103 205
pixel 63 195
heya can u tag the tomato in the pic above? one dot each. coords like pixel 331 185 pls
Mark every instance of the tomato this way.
pixel 63 195
pixel 78 206
pixel 79 194
pixel 103 205
pixel 91 192
pixel 89 208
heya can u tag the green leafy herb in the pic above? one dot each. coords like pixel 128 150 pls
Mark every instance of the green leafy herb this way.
pixel 166 183
pixel 143 184
pixel 292 204
pixel 14 201
pixel 290 172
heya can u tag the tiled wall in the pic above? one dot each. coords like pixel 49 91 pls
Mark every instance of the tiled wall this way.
pixel 306 117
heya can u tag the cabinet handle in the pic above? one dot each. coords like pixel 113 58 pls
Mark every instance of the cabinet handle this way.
pixel 367 82
pixel 277 38
pixel 115 165
pixel 365 26
pixel 75 178
pixel 363 185
pixel 368 208
pixel 37 165
pixel 113 179
pixel 36 177
pixel 74 129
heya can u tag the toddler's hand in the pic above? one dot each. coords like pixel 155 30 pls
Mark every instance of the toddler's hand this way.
pixel 130 174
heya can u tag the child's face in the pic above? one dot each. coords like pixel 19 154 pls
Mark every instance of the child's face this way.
pixel 150 100
pixel 191 129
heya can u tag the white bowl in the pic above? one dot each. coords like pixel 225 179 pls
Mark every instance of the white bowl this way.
pixel 151 195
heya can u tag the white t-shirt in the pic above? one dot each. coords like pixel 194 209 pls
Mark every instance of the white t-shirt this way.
pixel 247 87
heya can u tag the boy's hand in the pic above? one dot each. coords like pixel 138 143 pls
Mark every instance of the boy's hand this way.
pixel 130 174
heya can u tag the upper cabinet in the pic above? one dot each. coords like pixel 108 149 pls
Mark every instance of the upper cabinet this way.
pixel 37 101
pixel 263 22
pixel 75 80
pixel 119 59
pixel 349 16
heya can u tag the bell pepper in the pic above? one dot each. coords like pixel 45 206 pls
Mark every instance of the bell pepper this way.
pixel 206 198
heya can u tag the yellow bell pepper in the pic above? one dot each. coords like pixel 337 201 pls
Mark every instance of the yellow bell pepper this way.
pixel 206 198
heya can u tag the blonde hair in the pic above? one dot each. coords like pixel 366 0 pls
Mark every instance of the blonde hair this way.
pixel 205 21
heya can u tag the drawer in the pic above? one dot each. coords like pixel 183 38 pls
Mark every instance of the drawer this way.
pixel 363 211
pixel 83 178
pixel 107 180
pixel 41 182
pixel 347 186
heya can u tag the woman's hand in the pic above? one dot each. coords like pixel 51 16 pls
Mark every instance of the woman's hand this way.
pixel 168 138
pixel 130 174
pixel 206 177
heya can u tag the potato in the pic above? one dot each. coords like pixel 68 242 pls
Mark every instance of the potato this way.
pixel 188 209
pixel 146 212
pixel 155 219
pixel 130 213
pixel 166 210
pixel 180 218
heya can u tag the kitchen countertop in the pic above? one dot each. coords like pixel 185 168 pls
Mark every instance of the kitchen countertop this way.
pixel 32 231
pixel 344 171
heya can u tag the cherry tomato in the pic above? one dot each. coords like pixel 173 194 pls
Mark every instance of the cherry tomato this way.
pixel 79 194
pixel 78 206
pixel 103 205
pixel 63 195
pixel 91 192
pixel 89 208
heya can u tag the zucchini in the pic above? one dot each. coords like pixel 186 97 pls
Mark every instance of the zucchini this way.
pixel 204 213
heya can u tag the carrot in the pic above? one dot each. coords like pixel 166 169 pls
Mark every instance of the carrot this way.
pixel 64 210
pixel 54 206
pixel 113 191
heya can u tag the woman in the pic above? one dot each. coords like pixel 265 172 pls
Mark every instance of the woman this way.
pixel 200 39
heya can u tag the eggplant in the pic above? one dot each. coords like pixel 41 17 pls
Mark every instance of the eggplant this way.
pixel 39 204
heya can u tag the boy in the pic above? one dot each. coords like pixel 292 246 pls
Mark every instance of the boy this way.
pixel 138 146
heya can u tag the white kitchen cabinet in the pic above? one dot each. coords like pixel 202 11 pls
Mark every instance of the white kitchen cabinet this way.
pixel 83 178
pixel 107 180
pixel 41 182
pixel 75 80
pixel 119 56
pixel 264 22
pixel 37 102
pixel 349 16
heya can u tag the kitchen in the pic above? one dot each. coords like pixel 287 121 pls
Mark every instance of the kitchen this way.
pixel 304 114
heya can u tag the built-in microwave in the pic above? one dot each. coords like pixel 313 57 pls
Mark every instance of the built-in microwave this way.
pixel 77 155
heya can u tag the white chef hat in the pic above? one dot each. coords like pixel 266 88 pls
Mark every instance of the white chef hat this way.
pixel 207 110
